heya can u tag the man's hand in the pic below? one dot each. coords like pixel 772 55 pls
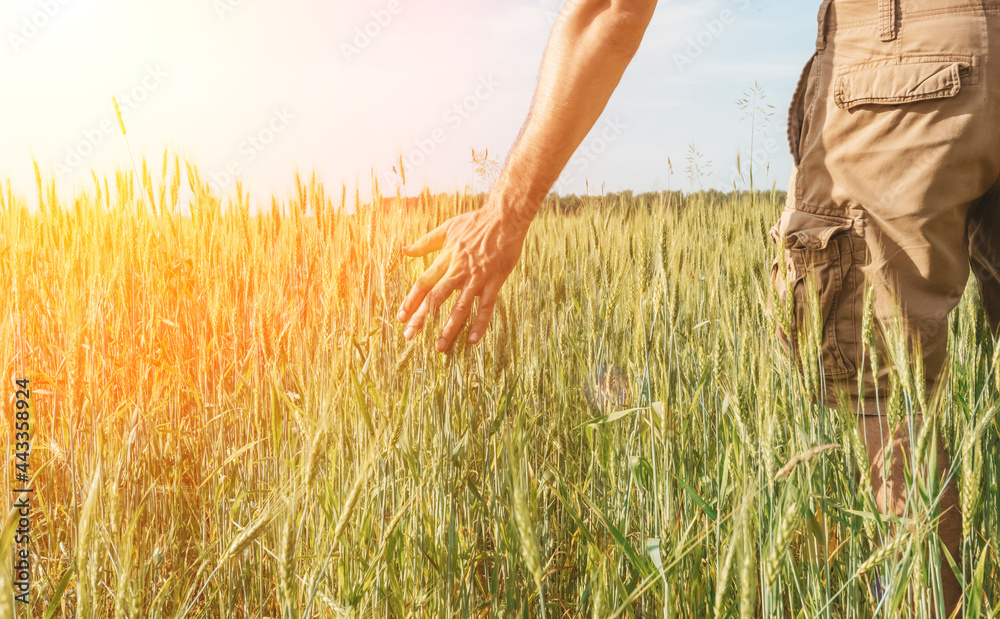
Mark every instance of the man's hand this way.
pixel 591 44
pixel 478 252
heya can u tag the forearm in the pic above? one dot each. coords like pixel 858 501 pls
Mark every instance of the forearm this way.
pixel 590 47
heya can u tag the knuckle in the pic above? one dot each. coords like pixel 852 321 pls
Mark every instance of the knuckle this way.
pixel 484 312
pixel 482 321
pixel 434 300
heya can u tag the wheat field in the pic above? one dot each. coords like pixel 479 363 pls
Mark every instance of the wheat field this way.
pixel 228 421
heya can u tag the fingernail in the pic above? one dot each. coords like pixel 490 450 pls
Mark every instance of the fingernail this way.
pixel 401 316
pixel 442 344
pixel 474 338
pixel 408 334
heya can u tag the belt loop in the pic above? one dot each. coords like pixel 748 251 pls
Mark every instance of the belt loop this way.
pixel 887 20
pixel 824 13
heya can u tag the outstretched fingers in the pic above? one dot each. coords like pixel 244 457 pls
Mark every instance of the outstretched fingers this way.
pixel 459 314
pixel 487 301
pixel 424 284
pixel 431 302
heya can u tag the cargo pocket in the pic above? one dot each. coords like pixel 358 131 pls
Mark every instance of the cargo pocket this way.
pixel 902 80
pixel 825 247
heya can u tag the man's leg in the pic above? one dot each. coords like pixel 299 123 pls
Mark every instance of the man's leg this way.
pixel 890 492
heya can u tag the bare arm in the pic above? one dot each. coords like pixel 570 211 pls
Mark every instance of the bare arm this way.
pixel 591 44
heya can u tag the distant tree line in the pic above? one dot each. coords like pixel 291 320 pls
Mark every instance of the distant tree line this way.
pixel 572 204
pixel 628 201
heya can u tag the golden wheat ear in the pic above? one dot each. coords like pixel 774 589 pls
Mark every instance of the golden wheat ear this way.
pixel 118 113
pixel 140 179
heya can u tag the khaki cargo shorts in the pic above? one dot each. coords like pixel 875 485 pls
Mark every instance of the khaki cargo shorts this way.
pixel 895 135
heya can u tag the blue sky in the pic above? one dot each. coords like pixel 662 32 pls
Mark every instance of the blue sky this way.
pixel 261 89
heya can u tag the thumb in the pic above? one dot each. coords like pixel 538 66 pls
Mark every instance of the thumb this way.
pixel 430 242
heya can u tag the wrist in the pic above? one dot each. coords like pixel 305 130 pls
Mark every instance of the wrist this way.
pixel 515 201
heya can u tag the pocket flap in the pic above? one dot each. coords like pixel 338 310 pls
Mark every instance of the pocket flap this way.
pixel 891 84
pixel 808 230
